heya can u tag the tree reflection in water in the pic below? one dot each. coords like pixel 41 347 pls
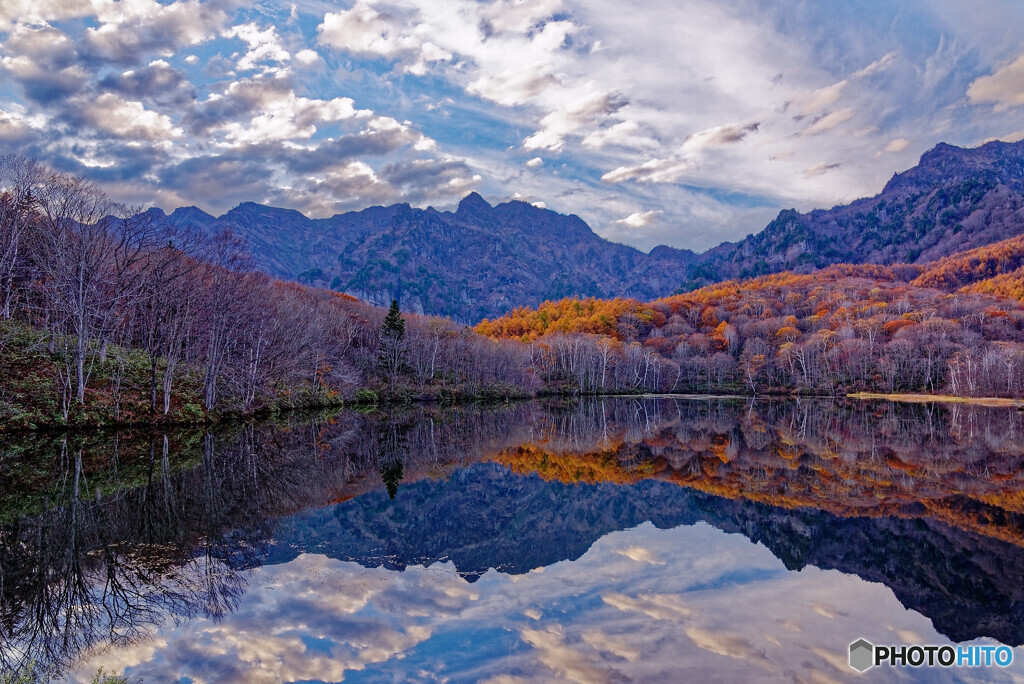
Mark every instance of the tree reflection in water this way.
pixel 126 531
pixel 96 568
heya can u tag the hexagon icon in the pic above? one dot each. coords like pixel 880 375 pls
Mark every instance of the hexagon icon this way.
pixel 862 655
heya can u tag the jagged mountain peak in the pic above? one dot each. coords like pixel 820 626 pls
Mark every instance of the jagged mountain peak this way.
pixel 256 209
pixel 193 215
pixel 944 152
pixel 955 199
pixel 473 203
pixel 192 211
pixel 945 164
pixel 477 262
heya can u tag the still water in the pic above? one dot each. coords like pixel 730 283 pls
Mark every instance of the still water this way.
pixel 592 541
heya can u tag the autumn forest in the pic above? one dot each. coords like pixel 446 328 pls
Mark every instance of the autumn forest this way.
pixel 108 315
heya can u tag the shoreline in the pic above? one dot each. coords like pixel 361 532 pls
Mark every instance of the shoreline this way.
pixel 914 398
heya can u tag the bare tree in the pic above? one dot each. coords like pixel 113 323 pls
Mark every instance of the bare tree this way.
pixel 223 293
pixel 166 309
pixel 20 181
pixel 91 251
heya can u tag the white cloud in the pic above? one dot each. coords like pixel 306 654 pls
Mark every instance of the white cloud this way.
pixel 641 555
pixel 609 644
pixel 828 121
pixel 13 128
pixel 719 136
pixel 814 102
pixel 896 145
pixel 1004 88
pixel 535 163
pixel 43 45
pixel 279 114
pixel 820 168
pixel 307 58
pixel 652 171
pixel 42 82
pixel 362 29
pixel 731 645
pixel 264 45
pixel 623 134
pixel 517 16
pixel 881 64
pixel 657 606
pixel 37 12
pixel 571 117
pixel 127 30
pixel 127 119
pixel 513 87
pixel 640 219
pixel 568 662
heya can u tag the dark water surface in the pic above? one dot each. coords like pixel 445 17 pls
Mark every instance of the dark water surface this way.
pixel 593 541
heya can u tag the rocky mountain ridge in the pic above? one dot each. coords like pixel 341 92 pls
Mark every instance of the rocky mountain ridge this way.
pixel 955 199
pixel 478 261
pixel 481 260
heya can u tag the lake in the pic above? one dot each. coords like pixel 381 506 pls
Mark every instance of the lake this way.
pixel 596 540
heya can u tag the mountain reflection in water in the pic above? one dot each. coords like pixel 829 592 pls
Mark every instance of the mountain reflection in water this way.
pixel 279 543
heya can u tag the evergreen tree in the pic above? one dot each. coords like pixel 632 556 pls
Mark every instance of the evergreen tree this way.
pixel 391 353
pixel 391 474
pixel 392 447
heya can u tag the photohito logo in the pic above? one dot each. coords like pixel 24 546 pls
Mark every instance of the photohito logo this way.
pixel 864 655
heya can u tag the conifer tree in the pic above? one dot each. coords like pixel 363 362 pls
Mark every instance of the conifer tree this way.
pixel 391 352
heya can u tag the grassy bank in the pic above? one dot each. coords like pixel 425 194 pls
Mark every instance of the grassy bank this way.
pixel 911 398
pixel 34 397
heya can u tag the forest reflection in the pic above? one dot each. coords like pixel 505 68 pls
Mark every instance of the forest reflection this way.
pixel 957 463
pixel 105 537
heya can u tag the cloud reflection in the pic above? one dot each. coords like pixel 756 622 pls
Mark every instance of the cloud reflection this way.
pixel 714 605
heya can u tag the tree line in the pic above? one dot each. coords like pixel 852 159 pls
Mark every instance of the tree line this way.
pixel 111 289
pixel 842 329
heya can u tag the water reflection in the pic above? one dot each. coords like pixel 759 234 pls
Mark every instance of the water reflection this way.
pixel 639 605
pixel 969 584
pixel 111 540
pixel 108 537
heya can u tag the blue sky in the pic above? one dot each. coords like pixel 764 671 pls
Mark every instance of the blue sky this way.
pixel 682 123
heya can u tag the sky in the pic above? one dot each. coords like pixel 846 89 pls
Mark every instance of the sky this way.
pixel 640 605
pixel 684 123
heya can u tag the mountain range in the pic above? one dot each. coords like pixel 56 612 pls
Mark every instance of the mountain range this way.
pixel 480 261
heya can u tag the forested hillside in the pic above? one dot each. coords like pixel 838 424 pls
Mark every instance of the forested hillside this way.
pixel 107 316
pixel 475 262
pixel 843 329
pixel 974 265
pixel 955 199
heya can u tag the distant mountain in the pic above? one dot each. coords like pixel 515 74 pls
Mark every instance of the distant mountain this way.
pixel 955 199
pixel 479 261
pixel 482 260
